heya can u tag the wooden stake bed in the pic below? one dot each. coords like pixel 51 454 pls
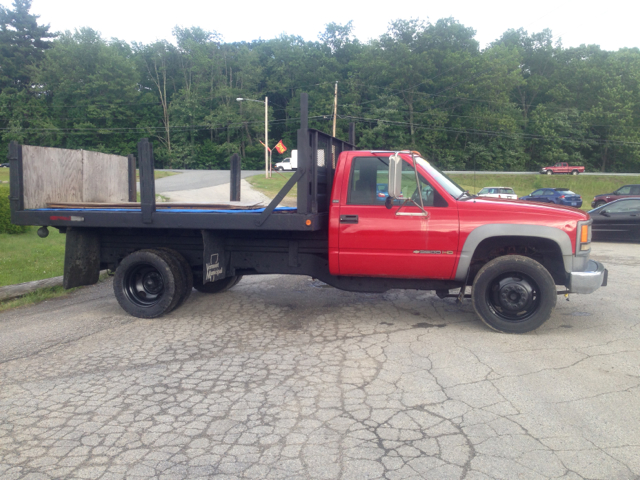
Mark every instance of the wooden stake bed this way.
pixel 163 205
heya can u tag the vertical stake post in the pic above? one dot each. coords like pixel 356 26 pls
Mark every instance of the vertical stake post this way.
pixel 147 180
pixel 235 171
pixel 133 189
pixel 304 156
pixel 16 185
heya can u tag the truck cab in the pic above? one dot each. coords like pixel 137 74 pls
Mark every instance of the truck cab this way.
pixel 513 253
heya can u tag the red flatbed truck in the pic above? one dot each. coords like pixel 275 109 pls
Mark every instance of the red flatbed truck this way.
pixel 425 233
pixel 562 167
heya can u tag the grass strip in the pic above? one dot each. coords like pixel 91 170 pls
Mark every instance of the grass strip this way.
pixel 35 297
pixel 271 186
pixel 26 257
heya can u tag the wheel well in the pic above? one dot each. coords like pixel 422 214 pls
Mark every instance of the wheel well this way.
pixel 544 251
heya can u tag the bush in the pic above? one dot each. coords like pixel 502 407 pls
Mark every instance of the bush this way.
pixel 5 214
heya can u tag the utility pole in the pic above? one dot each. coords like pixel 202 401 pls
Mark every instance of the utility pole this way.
pixel 267 162
pixel 335 110
pixel 266 137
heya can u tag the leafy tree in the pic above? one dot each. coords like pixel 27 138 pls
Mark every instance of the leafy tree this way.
pixel 91 88
pixel 22 45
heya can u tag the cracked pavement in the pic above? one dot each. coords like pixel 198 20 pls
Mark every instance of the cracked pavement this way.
pixel 283 377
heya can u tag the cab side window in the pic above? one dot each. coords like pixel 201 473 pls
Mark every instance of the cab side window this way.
pixel 368 184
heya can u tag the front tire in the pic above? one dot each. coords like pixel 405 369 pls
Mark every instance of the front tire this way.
pixel 549 172
pixel 599 203
pixel 514 294
pixel 147 284
pixel 574 172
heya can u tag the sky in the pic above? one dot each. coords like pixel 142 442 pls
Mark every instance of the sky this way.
pixel 611 24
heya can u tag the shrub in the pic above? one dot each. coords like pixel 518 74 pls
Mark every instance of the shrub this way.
pixel 5 214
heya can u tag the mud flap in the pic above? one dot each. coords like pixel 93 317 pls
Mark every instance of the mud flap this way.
pixel 81 258
pixel 215 265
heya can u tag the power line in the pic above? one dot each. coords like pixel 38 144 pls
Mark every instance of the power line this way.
pixel 490 133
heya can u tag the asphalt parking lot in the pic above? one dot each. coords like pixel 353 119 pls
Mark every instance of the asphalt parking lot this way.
pixel 282 377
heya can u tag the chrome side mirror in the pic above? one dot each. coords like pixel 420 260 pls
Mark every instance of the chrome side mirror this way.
pixel 395 176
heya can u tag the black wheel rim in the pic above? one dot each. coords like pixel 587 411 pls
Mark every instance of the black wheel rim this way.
pixel 144 285
pixel 513 297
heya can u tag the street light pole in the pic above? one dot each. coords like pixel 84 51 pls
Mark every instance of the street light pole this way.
pixel 267 163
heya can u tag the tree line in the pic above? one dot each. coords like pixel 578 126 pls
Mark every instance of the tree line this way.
pixel 522 102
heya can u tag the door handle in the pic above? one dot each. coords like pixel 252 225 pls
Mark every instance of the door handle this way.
pixel 348 218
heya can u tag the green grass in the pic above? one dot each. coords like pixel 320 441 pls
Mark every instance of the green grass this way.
pixel 157 174
pixel 4 174
pixel 40 296
pixel 35 297
pixel 26 257
pixel 271 186
pixel 588 186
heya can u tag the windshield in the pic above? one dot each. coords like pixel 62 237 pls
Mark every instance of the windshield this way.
pixel 449 185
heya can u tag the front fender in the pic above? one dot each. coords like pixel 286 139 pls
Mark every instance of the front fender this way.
pixel 483 232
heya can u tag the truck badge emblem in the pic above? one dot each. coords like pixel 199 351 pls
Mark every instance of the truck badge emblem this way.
pixel 213 267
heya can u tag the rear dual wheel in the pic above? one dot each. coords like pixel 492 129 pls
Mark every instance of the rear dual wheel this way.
pixel 150 283
pixel 514 294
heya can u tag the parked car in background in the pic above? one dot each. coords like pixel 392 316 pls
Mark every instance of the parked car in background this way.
pixel 559 196
pixel 562 167
pixel 4 165
pixel 617 220
pixel 622 192
pixel 382 191
pixel 498 192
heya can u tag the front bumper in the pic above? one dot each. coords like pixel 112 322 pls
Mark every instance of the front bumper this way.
pixel 593 277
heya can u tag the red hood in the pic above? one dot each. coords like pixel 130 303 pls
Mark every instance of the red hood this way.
pixel 522 210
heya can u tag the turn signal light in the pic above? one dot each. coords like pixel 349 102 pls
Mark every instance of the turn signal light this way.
pixel 584 234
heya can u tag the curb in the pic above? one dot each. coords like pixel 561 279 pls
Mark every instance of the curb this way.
pixel 9 292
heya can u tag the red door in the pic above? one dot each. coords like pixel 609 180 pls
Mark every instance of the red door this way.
pixel 399 242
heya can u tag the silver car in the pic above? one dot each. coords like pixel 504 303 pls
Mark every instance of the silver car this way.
pixel 498 192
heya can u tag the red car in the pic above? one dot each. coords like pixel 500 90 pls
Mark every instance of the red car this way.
pixel 623 192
